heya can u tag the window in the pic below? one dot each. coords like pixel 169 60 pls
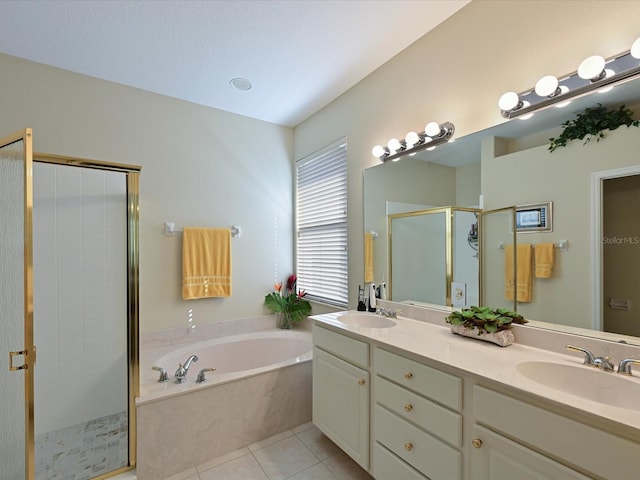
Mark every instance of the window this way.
pixel 321 185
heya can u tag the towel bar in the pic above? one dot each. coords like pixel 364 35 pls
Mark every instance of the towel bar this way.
pixel 562 245
pixel 170 229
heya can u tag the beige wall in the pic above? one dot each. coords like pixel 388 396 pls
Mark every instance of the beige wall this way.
pixel 563 177
pixel 457 73
pixel 200 167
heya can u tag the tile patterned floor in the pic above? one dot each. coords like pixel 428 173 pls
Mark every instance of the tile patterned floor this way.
pixel 302 453
pixel 83 451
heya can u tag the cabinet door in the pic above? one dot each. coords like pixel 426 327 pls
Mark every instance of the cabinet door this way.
pixel 494 457
pixel 341 404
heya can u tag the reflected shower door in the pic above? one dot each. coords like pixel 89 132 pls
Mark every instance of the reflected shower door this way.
pixel 16 309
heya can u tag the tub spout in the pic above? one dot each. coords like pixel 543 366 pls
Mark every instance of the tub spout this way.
pixel 181 372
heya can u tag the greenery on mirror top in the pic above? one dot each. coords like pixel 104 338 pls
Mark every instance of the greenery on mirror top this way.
pixel 485 319
pixel 592 123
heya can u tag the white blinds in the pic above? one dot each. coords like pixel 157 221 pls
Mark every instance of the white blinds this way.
pixel 322 224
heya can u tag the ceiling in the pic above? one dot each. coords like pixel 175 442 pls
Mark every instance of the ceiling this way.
pixel 298 55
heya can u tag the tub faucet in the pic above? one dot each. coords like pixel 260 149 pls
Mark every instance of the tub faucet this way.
pixel 181 372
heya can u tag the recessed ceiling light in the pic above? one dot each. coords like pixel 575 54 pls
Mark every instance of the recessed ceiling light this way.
pixel 241 84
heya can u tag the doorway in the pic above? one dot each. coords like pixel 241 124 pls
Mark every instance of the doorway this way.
pixel 616 250
pixel 621 254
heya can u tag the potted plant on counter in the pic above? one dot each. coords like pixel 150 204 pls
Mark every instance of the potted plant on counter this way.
pixel 485 323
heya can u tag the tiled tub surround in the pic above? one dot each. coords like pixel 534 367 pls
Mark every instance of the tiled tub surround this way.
pixel 181 426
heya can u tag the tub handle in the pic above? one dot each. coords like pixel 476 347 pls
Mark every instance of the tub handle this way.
pixel 164 378
pixel 201 378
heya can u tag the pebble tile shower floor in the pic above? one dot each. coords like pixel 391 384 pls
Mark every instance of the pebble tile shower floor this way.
pixel 83 451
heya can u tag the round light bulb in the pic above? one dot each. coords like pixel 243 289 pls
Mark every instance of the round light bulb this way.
pixel 591 68
pixel 378 151
pixel 393 145
pixel 635 49
pixel 547 86
pixel 508 101
pixel 411 139
pixel 432 129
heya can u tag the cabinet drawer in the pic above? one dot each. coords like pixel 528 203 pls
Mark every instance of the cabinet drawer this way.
pixel 437 420
pixel 427 454
pixel 430 382
pixel 387 466
pixel 577 444
pixel 345 347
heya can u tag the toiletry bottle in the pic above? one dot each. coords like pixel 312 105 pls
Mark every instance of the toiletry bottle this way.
pixel 372 297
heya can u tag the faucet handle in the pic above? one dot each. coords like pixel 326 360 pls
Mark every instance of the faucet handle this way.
pixel 201 378
pixel 625 365
pixel 164 378
pixel 589 359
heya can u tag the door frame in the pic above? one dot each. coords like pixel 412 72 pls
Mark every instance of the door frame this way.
pixel 597 288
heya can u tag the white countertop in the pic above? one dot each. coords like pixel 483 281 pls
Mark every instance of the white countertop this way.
pixel 483 360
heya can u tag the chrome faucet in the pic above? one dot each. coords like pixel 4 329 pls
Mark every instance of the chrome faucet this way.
pixel 387 313
pixel 181 372
pixel 603 363
pixel 625 365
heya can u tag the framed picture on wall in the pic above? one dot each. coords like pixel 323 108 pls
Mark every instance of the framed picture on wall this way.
pixel 534 217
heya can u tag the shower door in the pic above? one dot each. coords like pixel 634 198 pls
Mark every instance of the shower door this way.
pixel 16 309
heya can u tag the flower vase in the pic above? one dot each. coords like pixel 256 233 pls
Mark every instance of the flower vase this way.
pixel 284 320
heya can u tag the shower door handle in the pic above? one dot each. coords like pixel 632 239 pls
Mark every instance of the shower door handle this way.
pixel 23 353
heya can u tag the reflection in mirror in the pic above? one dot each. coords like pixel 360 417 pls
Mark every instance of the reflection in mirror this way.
pixel 432 258
pixel 510 164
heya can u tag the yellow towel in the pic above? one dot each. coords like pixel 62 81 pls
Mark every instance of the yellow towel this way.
pixel 544 260
pixel 206 263
pixel 368 258
pixel 523 282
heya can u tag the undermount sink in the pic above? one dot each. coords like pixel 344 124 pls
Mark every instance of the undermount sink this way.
pixel 589 383
pixel 366 320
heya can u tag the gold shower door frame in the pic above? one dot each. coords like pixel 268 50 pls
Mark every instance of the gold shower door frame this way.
pixel 28 352
pixel 133 258
pixel 28 349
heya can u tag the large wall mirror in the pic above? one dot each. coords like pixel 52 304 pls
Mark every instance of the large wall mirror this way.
pixel 594 190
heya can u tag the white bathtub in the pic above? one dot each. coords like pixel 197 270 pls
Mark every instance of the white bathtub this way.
pixel 261 387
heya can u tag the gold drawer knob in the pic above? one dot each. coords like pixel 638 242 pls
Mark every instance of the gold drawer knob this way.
pixel 361 381
pixel 408 407
pixel 476 442
pixel 408 446
pixel 408 375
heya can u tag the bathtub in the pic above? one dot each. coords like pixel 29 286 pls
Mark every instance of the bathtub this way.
pixel 261 387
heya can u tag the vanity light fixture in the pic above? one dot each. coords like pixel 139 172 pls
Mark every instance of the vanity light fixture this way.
pixel 594 74
pixel 434 134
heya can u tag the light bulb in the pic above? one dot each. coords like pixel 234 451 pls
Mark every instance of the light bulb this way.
pixel 635 49
pixel 393 145
pixel 591 68
pixel 411 139
pixel 378 151
pixel 509 101
pixel 547 86
pixel 432 129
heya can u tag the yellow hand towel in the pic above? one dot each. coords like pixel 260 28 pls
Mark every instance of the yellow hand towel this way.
pixel 206 263
pixel 368 258
pixel 544 260
pixel 523 281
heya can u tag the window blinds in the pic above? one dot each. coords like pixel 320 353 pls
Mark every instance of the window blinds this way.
pixel 321 212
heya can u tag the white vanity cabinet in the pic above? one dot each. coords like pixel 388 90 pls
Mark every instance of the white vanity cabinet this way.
pixel 341 391
pixel 417 420
pixel 512 438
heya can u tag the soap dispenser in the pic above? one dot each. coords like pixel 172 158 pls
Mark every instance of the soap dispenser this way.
pixel 372 297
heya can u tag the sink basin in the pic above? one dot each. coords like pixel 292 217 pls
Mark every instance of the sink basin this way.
pixel 366 320
pixel 589 383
